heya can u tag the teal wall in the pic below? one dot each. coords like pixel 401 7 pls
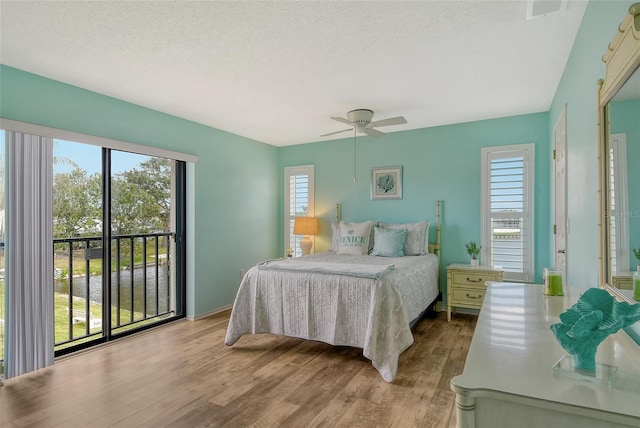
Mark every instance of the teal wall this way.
pixel 625 118
pixel 237 204
pixel 579 91
pixel 235 184
pixel 439 163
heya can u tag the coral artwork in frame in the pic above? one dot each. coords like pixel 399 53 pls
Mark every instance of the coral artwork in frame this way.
pixel 386 182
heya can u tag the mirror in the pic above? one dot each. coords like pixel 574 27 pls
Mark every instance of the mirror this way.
pixel 623 179
pixel 620 158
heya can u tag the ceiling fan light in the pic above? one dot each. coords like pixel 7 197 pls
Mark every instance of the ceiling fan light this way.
pixel 360 120
pixel 360 117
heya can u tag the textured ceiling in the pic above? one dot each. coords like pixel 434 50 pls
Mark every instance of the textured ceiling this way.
pixel 276 71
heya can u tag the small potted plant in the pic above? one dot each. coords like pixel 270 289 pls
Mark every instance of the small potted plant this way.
pixel 473 250
pixel 636 251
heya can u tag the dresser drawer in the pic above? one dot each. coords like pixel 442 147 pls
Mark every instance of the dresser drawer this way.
pixel 623 282
pixel 474 278
pixel 468 296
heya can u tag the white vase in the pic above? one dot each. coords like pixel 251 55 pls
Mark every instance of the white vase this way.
pixel 474 262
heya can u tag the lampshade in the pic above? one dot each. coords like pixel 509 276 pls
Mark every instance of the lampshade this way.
pixel 305 226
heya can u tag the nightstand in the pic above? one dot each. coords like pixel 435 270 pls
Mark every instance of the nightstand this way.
pixel 466 285
pixel 623 280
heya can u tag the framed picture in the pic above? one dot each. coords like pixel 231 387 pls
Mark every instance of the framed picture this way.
pixel 386 182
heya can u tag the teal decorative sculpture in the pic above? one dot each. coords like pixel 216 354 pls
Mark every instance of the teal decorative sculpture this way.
pixel 596 315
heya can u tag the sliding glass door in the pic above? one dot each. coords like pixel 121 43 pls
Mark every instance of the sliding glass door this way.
pixel 77 243
pixel 2 244
pixel 143 249
pixel 135 203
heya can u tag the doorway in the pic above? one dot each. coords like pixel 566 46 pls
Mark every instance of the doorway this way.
pixel 136 280
pixel 560 198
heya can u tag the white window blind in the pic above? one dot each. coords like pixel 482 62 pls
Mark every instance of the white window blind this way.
pixel 298 183
pixel 618 205
pixel 507 210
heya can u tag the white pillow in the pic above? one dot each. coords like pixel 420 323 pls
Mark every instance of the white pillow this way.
pixel 354 238
pixel 416 242
pixel 335 237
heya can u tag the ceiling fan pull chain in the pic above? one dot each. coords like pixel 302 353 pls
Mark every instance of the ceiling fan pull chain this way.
pixel 355 158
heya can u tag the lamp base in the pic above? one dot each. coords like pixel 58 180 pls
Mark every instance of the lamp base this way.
pixel 305 245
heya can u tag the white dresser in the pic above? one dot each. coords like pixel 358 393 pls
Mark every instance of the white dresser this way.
pixel 508 378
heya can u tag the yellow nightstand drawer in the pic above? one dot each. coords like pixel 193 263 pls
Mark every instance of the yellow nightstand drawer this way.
pixel 468 296
pixel 473 278
pixel 623 282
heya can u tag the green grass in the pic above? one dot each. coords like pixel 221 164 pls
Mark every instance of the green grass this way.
pixel 61 319
pixel 79 330
pixel 61 301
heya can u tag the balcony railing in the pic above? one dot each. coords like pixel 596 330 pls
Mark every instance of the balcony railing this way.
pixel 141 289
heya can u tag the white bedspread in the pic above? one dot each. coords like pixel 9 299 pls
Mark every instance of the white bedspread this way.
pixel 346 310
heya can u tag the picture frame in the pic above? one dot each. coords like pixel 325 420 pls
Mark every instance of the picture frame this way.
pixel 386 182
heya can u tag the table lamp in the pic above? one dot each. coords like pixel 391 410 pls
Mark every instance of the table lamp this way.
pixel 305 226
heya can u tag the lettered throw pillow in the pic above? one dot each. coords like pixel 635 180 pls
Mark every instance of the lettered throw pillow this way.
pixel 354 238
pixel 416 243
pixel 389 242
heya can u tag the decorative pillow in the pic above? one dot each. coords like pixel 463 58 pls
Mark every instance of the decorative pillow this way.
pixel 389 242
pixel 335 237
pixel 354 238
pixel 416 243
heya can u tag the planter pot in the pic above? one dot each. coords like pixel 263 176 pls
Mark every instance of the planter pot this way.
pixel 474 262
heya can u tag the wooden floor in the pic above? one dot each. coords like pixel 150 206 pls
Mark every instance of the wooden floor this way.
pixel 182 375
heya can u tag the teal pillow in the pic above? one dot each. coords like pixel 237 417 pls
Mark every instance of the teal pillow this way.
pixel 389 242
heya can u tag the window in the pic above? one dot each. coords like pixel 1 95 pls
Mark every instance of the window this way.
pixel 138 191
pixel 507 210
pixel 298 201
pixel 619 204
pixel 2 207
pixel 140 205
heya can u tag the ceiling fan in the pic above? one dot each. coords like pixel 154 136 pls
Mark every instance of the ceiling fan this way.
pixel 360 121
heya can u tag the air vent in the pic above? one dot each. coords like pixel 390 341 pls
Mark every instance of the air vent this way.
pixel 537 8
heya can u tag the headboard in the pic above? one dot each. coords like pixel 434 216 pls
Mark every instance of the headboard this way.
pixel 434 247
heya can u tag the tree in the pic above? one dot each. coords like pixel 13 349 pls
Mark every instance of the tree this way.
pixel 77 204
pixel 140 202
pixel 141 198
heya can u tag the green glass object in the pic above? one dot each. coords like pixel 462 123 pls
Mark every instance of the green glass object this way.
pixel 552 282
pixel 589 321
pixel 636 286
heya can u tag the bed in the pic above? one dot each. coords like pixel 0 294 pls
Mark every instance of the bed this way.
pixel 363 301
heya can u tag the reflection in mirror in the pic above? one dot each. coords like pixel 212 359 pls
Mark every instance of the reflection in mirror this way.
pixel 623 186
pixel 619 156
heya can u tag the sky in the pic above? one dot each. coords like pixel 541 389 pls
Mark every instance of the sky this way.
pixel 89 158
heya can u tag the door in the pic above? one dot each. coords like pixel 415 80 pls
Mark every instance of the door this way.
pixel 560 202
pixel 118 243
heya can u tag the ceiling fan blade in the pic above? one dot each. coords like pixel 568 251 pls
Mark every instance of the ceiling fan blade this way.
pixel 343 120
pixel 391 121
pixel 372 132
pixel 337 132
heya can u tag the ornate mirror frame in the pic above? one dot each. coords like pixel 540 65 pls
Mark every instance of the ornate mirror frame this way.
pixel 622 59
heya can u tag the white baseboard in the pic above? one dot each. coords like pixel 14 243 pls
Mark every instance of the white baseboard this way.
pixel 208 314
